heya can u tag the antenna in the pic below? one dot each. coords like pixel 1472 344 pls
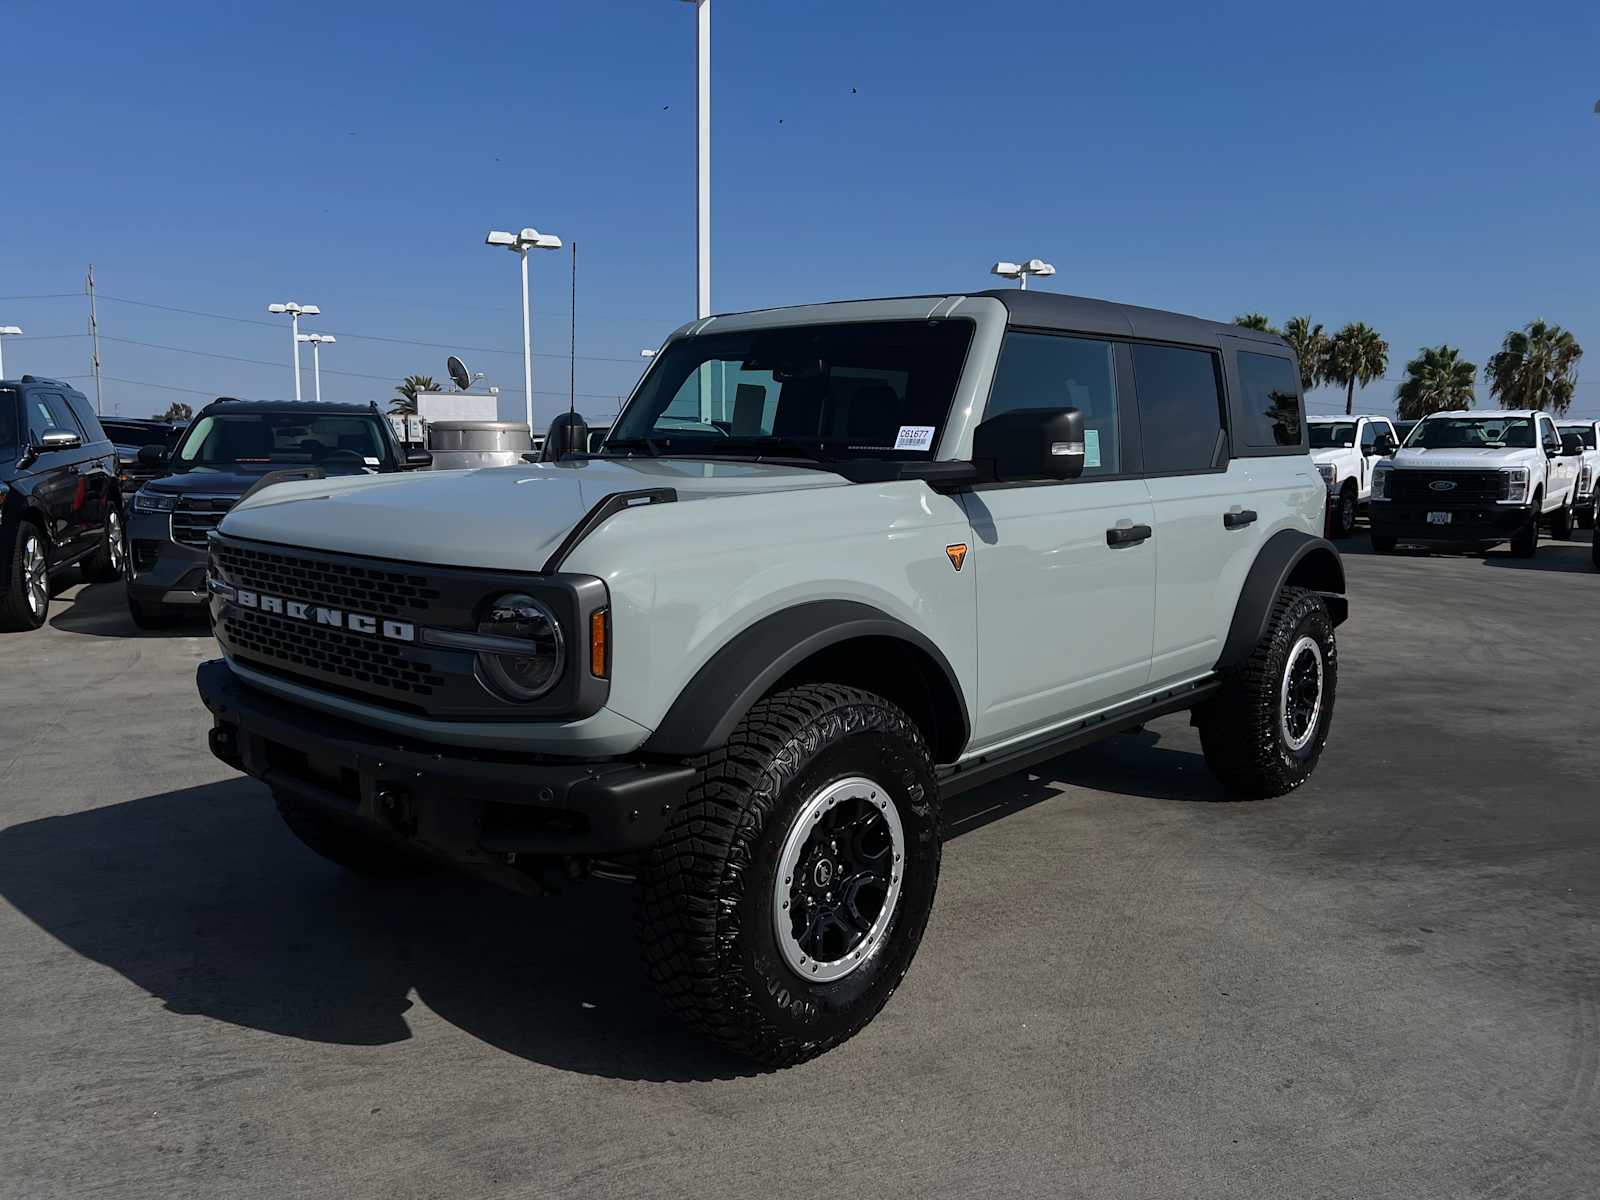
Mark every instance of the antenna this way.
pixel 572 348
pixel 459 375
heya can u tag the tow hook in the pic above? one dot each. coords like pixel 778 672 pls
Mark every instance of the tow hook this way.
pixel 394 809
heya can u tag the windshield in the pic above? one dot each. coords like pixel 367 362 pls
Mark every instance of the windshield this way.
pixel 344 440
pixel 8 419
pixel 1586 432
pixel 868 390
pixel 1472 433
pixel 1326 437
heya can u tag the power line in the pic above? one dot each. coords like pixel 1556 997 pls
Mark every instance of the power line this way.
pixel 45 296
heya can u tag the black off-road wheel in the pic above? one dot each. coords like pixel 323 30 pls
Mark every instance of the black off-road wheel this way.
pixel 106 564
pixel 1564 520
pixel 1264 732
pixel 786 900
pixel 1525 542
pixel 346 843
pixel 1343 522
pixel 1384 543
pixel 26 602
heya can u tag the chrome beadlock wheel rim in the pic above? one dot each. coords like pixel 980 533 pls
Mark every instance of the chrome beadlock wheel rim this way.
pixel 114 542
pixel 839 876
pixel 34 579
pixel 1300 694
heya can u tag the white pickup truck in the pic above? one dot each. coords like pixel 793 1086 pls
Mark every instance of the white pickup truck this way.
pixel 1346 450
pixel 1472 480
pixel 1588 468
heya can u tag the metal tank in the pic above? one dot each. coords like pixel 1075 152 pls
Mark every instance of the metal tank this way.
pixel 459 444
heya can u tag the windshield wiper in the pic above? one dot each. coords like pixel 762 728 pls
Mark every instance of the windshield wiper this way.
pixel 650 445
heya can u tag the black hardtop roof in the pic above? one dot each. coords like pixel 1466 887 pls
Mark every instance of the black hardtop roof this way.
pixel 1081 314
pixel 227 404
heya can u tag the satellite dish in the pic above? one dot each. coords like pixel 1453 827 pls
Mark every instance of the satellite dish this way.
pixel 458 372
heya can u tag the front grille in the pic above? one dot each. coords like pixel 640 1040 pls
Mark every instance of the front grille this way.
pixel 362 660
pixel 1470 487
pixel 196 516
pixel 372 589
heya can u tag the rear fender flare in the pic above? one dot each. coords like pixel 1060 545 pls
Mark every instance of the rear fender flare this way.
pixel 1289 558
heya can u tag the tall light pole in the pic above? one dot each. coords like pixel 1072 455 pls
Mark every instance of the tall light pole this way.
pixel 702 153
pixel 521 243
pixel 318 341
pixel 295 311
pixel 5 332
pixel 1021 271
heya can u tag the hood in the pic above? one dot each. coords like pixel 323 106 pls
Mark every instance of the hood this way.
pixel 233 480
pixel 1464 458
pixel 494 518
pixel 1330 453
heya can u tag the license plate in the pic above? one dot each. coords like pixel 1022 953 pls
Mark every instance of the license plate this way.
pixel 1439 518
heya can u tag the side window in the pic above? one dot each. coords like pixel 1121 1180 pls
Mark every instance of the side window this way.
pixel 86 418
pixel 1271 387
pixel 1180 409
pixel 1369 436
pixel 1042 370
pixel 47 411
pixel 1552 440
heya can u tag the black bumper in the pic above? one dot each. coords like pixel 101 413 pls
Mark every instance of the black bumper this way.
pixel 163 571
pixel 472 809
pixel 1487 523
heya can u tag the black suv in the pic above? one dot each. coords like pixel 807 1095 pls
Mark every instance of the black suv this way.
pixel 59 500
pixel 229 448
pixel 130 435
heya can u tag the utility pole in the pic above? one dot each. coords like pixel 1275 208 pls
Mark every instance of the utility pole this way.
pixel 94 342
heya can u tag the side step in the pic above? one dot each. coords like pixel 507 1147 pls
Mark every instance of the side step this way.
pixel 986 768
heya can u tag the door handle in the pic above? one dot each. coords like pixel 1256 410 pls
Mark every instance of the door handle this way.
pixel 1127 535
pixel 1238 519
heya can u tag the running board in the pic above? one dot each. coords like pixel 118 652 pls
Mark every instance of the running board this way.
pixel 986 768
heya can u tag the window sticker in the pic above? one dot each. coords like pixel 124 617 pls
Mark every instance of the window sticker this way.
pixel 1091 448
pixel 914 437
pixel 371 461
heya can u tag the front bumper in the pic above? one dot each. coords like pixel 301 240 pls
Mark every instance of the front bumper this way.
pixel 160 570
pixel 1479 524
pixel 473 809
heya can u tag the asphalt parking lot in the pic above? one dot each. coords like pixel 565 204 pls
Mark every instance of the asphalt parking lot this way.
pixel 1384 985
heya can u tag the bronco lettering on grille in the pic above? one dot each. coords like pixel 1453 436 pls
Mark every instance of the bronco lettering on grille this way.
pixel 317 614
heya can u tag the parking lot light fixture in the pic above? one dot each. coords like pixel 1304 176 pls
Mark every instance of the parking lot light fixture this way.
pixel 295 311
pixel 520 243
pixel 1021 271
pixel 5 332
pixel 317 340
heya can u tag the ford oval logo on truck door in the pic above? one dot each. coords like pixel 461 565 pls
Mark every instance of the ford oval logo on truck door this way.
pixel 1442 485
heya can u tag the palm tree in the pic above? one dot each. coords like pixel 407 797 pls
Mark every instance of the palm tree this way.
pixel 1255 320
pixel 408 389
pixel 1310 347
pixel 176 411
pixel 1536 367
pixel 1356 356
pixel 1436 380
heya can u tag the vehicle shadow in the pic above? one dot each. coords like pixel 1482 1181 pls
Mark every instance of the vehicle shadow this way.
pixel 203 899
pixel 101 610
pixel 1571 557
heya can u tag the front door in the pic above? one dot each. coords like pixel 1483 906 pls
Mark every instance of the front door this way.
pixel 57 481
pixel 1065 571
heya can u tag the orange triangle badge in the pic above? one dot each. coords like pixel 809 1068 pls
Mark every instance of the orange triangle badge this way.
pixel 957 554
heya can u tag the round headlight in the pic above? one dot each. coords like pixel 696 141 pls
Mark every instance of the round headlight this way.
pixel 521 676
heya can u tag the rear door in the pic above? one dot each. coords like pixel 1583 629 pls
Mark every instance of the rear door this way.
pixel 98 464
pixel 1064 615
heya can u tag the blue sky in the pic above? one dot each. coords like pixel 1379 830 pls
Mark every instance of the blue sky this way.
pixel 1431 168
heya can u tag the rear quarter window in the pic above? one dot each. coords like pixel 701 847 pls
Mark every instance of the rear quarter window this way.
pixel 1271 400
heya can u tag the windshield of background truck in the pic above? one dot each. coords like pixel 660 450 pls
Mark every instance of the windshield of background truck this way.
pixel 1328 437
pixel 1586 432
pixel 345 440
pixel 878 389
pixel 1472 433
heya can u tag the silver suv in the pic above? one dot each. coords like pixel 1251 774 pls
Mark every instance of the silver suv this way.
pixel 831 565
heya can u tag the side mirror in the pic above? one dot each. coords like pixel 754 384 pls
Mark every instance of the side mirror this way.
pixel 417 460
pixel 1384 445
pixel 59 439
pixel 1571 444
pixel 1031 443
pixel 152 455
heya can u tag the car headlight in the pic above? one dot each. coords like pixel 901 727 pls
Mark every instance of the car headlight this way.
pixel 153 502
pixel 1327 472
pixel 1380 483
pixel 1516 485
pixel 528 657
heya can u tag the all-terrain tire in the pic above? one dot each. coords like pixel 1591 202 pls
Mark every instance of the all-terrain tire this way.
pixel 1525 542
pixel 1564 520
pixel 1262 738
pixel 105 565
pixel 709 895
pixel 1343 521
pixel 1384 543
pixel 16 608
pixel 344 842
